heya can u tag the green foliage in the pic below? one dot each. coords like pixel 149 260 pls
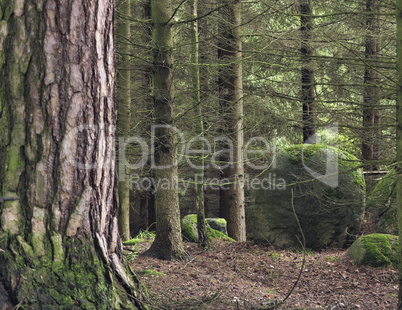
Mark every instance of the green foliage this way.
pixel 275 255
pixel 150 273
pixel 332 259
pixel 143 235
pixel 131 255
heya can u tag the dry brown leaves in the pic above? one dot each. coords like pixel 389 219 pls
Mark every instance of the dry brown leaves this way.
pixel 251 276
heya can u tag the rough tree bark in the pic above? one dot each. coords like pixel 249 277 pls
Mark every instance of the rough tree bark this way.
pixel 168 240
pixel 200 161
pixel 59 243
pixel 307 71
pixel 399 137
pixel 371 102
pixel 147 205
pixel 141 116
pixel 124 113
pixel 230 85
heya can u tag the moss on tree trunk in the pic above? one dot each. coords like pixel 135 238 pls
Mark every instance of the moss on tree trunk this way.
pixel 70 275
pixel 399 139
pixel 398 14
pixel 59 243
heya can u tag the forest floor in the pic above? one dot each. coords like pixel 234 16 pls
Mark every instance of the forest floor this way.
pixel 254 276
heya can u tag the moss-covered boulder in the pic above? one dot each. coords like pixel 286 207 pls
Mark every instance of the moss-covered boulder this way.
pixel 190 233
pixel 375 250
pixel 189 228
pixel 324 186
pixel 381 203
pixel 218 224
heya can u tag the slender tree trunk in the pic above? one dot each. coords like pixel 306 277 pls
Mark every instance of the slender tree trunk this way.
pixel 399 138
pixel 371 117
pixel 231 105
pixel 307 71
pixel 142 116
pixel 59 243
pixel 124 112
pixel 200 162
pixel 168 241
pixel 150 195
pixel 144 210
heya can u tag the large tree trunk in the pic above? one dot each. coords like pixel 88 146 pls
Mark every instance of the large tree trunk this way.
pixel 307 71
pixel 371 102
pixel 168 240
pixel 124 113
pixel 231 109
pixel 399 138
pixel 59 243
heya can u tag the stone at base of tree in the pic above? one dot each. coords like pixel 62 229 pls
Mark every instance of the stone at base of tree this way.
pixel 326 188
pixel 218 224
pixel 190 233
pixel 375 250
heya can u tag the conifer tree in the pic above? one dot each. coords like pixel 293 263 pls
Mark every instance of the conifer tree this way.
pixel 168 241
pixel 230 85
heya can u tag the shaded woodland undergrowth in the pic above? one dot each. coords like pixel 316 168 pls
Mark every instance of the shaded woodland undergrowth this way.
pixel 255 276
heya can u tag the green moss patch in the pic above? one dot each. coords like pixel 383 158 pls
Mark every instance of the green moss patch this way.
pixel 74 277
pixel 133 241
pixel 150 273
pixel 190 233
pixel 308 153
pixel 189 228
pixel 143 236
pixel 375 250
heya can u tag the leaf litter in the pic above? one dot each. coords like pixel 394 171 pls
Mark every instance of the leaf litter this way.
pixel 255 276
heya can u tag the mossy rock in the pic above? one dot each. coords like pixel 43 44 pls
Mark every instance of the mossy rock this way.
pixel 382 204
pixel 190 233
pixel 327 190
pixel 189 228
pixel 375 250
pixel 218 224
